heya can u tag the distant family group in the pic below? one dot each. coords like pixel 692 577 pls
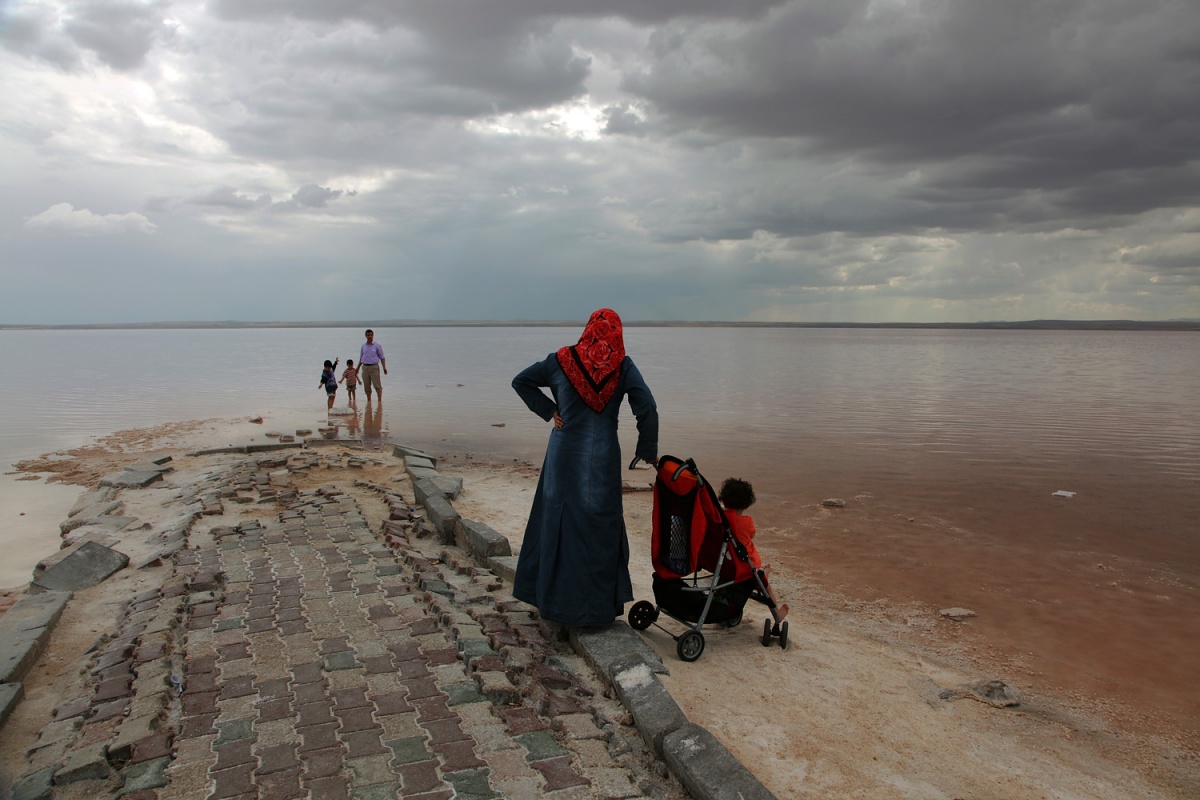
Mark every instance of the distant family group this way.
pixel 370 361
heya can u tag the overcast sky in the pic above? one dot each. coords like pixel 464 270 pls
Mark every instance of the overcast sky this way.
pixel 813 160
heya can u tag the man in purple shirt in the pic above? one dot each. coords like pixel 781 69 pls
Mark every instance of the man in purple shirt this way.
pixel 370 359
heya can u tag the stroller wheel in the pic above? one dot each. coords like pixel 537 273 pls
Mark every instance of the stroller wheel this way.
pixel 641 615
pixel 766 640
pixel 783 634
pixel 734 621
pixel 690 645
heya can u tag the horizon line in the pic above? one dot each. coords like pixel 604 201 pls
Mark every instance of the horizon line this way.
pixel 1093 324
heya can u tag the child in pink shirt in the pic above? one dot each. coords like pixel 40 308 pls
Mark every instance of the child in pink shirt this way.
pixel 350 376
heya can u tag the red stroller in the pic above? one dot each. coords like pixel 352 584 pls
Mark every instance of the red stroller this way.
pixel 702 573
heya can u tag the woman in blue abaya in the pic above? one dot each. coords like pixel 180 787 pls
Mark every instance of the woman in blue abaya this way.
pixel 574 562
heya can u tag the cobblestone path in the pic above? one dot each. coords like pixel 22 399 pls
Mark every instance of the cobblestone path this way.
pixel 304 652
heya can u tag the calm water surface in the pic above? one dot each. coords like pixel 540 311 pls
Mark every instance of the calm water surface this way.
pixel 1044 399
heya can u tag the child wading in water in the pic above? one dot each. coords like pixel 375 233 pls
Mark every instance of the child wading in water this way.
pixel 329 380
pixel 738 495
pixel 350 376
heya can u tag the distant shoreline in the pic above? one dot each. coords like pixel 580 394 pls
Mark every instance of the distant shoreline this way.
pixel 1037 324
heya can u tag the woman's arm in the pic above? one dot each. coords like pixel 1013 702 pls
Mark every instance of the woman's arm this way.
pixel 528 385
pixel 646 411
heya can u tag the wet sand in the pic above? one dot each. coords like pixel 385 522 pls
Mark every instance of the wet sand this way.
pixel 1093 598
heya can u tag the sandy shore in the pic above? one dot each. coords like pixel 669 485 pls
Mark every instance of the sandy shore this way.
pixel 871 699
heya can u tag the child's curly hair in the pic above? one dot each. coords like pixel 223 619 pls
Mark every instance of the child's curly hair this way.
pixel 736 494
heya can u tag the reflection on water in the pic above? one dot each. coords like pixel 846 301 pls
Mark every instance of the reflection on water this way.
pixel 977 397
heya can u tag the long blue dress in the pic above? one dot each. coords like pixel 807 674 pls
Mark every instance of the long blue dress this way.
pixel 574 562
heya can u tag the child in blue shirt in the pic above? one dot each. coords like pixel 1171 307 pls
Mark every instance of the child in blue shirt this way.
pixel 329 380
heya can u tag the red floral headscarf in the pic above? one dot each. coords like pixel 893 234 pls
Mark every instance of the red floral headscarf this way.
pixel 593 366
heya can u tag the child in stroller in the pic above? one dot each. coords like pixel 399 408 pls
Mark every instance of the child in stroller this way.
pixel 737 495
pixel 702 571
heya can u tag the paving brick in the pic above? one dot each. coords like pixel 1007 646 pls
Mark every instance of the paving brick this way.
pixel 554 704
pixel 421 687
pixel 292 628
pixel 197 725
pixel 278 708
pixel 378 665
pixel 330 788
pixel 319 737
pixel 234 754
pixel 407 650
pixel 356 719
pixel 541 745
pixel 444 730
pixel 283 785
pixel 340 661
pixel 229 783
pixel 200 665
pixel 392 703
pixel 307 673
pixel 309 693
pixel 238 686
pixel 235 730
pixel 432 708
pixel 497 688
pixel 419 777
pixel 412 670
pixel 233 652
pixel 72 708
pixel 200 682
pixel 471 784
pixel 151 747
pixel 276 758
pixel 423 627
pixel 323 763
pixel 109 710
pixel 559 773
pixel 458 755
pixel 363 743
pixel 317 713
pixel 522 720
pixel 371 769
pixel 354 697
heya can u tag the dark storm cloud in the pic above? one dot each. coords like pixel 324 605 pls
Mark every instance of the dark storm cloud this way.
pixel 418 62
pixel 32 33
pixel 306 197
pixel 622 119
pixel 1093 99
pixel 120 33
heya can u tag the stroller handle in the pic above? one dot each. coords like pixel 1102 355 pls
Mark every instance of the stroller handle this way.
pixel 689 464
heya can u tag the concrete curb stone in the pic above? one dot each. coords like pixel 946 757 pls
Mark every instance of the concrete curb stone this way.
pixel 613 645
pixel 87 566
pixel 480 540
pixel 708 769
pixel 10 695
pixel 505 567
pixel 442 515
pixel 24 630
pixel 654 711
